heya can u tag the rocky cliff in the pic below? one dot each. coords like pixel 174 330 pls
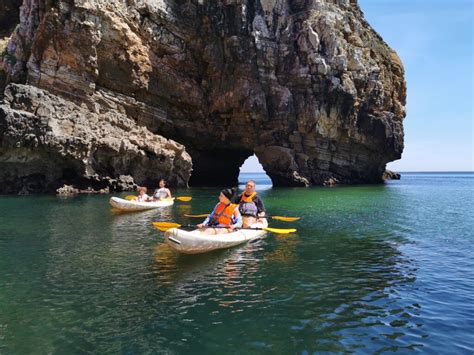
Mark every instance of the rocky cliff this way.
pixel 306 85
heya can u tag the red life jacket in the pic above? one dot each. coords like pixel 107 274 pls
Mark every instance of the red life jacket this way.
pixel 223 214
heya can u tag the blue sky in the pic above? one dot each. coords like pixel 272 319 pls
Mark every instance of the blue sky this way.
pixel 434 40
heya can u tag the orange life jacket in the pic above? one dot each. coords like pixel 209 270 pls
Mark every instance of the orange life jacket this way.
pixel 245 198
pixel 223 214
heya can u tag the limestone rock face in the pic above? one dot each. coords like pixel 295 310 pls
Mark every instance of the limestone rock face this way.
pixel 46 141
pixel 307 86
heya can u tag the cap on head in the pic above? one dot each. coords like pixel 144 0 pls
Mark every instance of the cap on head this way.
pixel 227 193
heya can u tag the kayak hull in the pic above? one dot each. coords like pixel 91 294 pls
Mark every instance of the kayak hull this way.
pixel 196 242
pixel 125 205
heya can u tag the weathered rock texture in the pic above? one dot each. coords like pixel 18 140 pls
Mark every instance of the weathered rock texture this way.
pixel 306 85
pixel 46 141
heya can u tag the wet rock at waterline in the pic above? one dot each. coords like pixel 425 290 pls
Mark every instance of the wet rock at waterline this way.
pixel 307 86
pixel 391 175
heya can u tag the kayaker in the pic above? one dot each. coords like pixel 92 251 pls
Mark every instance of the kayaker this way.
pixel 251 206
pixel 225 214
pixel 163 192
pixel 142 196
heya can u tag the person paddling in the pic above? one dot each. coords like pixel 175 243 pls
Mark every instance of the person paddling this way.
pixel 251 206
pixel 142 196
pixel 163 192
pixel 225 214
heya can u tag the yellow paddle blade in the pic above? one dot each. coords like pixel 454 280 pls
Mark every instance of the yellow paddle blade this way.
pixel 130 197
pixel 166 225
pixel 196 215
pixel 286 219
pixel 184 198
pixel 280 231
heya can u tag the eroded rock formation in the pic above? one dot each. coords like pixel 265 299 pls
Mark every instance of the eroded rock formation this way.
pixel 46 141
pixel 306 85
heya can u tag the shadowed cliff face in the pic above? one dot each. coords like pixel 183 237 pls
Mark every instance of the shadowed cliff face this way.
pixel 9 15
pixel 9 18
pixel 307 86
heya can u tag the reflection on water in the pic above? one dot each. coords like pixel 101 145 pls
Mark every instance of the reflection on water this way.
pixel 364 297
pixel 285 251
pixel 371 269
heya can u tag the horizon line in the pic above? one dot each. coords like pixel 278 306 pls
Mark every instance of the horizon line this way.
pixel 408 171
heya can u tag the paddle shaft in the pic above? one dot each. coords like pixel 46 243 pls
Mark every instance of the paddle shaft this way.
pixel 163 226
pixel 195 226
pixel 179 198
pixel 279 218
pixel 268 229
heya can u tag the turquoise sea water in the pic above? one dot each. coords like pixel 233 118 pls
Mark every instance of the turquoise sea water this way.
pixel 379 268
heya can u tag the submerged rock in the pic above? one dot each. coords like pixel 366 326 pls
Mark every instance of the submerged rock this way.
pixel 332 181
pixel 308 86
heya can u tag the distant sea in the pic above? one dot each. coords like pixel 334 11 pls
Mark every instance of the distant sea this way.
pixel 371 269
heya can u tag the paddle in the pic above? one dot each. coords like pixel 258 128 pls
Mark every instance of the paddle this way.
pixel 179 198
pixel 164 226
pixel 278 218
pixel 184 198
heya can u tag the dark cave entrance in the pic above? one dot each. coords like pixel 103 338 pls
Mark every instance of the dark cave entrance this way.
pixel 222 167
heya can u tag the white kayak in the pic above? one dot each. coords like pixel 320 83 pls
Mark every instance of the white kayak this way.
pixel 126 205
pixel 195 242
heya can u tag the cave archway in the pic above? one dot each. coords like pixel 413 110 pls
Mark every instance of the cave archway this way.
pixel 219 167
pixel 222 167
pixel 253 170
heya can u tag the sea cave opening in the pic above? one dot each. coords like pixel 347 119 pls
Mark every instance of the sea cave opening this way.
pixel 227 168
pixel 251 169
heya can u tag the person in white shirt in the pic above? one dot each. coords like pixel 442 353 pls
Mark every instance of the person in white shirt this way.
pixel 142 196
pixel 163 192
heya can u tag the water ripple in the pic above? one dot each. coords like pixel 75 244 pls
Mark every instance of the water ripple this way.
pixel 371 269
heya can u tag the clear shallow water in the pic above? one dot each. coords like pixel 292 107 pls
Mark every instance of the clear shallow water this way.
pixel 371 269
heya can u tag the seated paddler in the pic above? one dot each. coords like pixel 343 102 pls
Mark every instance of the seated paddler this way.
pixel 251 207
pixel 225 217
pixel 162 193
